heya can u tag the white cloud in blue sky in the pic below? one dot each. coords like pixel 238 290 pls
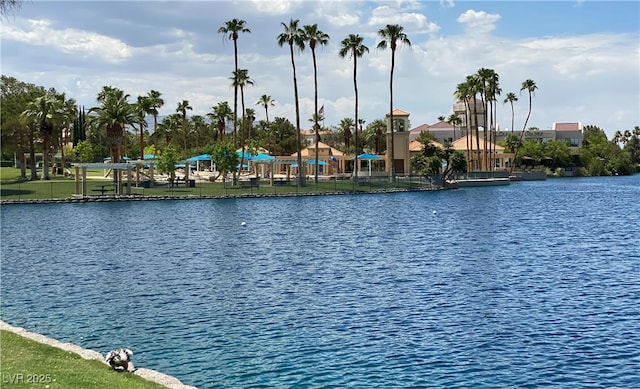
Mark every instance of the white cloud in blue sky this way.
pixel 584 56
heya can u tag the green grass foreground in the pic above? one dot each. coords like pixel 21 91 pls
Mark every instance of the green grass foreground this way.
pixel 11 188
pixel 29 364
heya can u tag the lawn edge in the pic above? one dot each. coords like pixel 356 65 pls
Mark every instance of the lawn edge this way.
pixel 147 374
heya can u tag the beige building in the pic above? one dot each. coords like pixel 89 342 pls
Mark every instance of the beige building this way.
pixel 402 160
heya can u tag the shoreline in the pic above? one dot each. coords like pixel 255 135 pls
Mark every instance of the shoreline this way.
pixel 147 374
pixel 120 198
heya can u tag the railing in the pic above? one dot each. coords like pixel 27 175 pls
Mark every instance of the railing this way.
pixel 58 189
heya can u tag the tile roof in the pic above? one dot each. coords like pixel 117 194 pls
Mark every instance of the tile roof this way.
pixel 461 144
pixel 416 145
pixel 399 112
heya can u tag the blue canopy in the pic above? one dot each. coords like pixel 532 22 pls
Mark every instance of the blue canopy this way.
pixel 149 156
pixel 261 157
pixel 201 157
pixel 320 162
pixel 182 165
pixel 368 156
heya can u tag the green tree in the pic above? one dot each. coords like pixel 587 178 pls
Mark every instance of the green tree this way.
pixel 346 125
pixel 224 156
pixel 167 161
pixel 141 108
pixel 85 152
pixel 294 36
pixel 353 46
pixel 392 35
pixel 440 163
pixel 241 79
pixel 231 30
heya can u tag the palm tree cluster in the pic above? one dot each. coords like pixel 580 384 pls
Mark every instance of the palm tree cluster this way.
pixel 483 88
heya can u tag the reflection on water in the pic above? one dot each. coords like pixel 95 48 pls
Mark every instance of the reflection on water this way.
pixel 534 284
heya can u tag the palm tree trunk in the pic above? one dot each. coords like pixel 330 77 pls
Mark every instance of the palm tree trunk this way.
pixel 392 168
pixel 315 83
pixel 235 94
pixel 355 89
pixel 299 141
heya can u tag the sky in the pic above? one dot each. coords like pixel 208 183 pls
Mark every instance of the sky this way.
pixel 584 56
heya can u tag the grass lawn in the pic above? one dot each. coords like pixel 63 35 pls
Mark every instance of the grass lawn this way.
pixel 29 364
pixel 11 188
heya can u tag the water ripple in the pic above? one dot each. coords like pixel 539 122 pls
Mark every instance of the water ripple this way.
pixel 531 285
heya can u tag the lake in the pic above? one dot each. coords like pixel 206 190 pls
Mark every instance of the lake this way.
pixel 528 285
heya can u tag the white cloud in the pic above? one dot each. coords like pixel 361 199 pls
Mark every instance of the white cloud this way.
pixel 479 22
pixel 68 40
pixel 275 7
pixel 447 3
pixel 412 21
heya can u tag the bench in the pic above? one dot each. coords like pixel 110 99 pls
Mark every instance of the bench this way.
pixel 251 183
pixel 280 182
pixel 103 189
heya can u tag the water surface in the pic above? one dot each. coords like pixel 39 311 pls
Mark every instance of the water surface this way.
pixel 534 284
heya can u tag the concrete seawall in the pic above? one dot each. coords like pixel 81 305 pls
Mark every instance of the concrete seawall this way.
pixel 147 374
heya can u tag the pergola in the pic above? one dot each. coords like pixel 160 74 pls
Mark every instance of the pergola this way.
pixel 81 173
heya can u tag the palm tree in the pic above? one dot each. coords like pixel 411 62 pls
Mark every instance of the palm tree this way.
pixel 231 29
pixel 511 98
pixel 113 115
pixel 182 109
pixel 490 82
pixel 241 79
pixel 314 36
pixel 142 107
pixel 346 124
pixel 220 114
pixel 68 111
pixel 391 35
pixel 266 101
pixel 353 46
pixel 463 93
pixel 530 86
pixel 42 112
pixel 155 102
pixel 455 121
pixel 294 36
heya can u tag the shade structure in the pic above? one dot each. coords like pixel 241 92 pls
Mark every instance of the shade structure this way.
pixel 260 157
pixel 201 157
pixel 369 157
pixel 320 162
pixel 149 156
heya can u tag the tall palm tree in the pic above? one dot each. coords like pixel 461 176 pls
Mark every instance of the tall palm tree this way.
pixel 353 46
pixel 155 103
pixel 314 36
pixel 231 30
pixel 463 93
pixel 511 98
pixel 392 35
pixel 142 108
pixel 68 110
pixel 42 111
pixel 294 36
pixel 241 79
pixel 490 88
pixel 266 101
pixel 182 109
pixel 530 86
